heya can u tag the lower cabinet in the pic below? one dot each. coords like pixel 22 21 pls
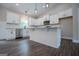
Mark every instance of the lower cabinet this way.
pixel 25 33
pixel 11 34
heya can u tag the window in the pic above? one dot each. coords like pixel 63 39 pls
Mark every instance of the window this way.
pixel 24 22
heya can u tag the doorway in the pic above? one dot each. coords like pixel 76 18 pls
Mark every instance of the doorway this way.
pixel 66 24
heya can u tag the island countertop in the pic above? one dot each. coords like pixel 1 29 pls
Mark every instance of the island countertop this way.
pixel 45 26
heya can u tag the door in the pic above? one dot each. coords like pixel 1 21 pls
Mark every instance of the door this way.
pixel 66 27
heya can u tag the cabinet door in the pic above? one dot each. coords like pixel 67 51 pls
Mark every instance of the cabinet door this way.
pixel 11 34
pixel 12 17
pixel 54 19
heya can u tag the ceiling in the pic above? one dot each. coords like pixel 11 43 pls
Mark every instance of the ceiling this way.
pixel 29 7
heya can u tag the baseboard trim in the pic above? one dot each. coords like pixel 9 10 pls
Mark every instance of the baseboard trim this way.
pixel 58 46
pixel 27 37
pixel 69 38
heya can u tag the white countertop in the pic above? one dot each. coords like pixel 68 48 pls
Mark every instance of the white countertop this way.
pixel 45 26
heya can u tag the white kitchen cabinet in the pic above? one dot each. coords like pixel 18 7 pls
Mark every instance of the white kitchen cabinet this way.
pixel 9 21
pixel 25 32
pixel 11 34
pixel 12 18
pixel 53 19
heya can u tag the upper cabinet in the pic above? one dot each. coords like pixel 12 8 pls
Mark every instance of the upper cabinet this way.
pixel 65 13
pixel 12 18
pixel 54 19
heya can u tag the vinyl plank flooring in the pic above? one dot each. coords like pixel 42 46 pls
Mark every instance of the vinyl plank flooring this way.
pixel 26 47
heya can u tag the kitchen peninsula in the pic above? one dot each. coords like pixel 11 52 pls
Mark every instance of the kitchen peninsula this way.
pixel 49 35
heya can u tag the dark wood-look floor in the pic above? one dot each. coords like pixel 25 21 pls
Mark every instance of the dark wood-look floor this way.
pixel 25 47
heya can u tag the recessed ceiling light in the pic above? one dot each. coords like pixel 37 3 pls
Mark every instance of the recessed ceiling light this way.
pixel 17 4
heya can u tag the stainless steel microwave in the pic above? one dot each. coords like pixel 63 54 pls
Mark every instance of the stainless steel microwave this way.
pixel 46 22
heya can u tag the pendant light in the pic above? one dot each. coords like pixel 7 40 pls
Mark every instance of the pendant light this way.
pixel 36 11
pixel 47 5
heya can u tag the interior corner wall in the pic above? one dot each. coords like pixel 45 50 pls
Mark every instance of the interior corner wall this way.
pixel 75 23
pixel 78 23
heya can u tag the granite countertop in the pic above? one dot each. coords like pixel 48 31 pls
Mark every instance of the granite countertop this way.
pixel 45 26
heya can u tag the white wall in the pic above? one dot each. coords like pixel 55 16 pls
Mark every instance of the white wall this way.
pixel 76 23
pixel 2 30
pixel 2 24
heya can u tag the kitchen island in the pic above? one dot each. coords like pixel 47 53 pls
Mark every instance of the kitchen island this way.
pixel 49 35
